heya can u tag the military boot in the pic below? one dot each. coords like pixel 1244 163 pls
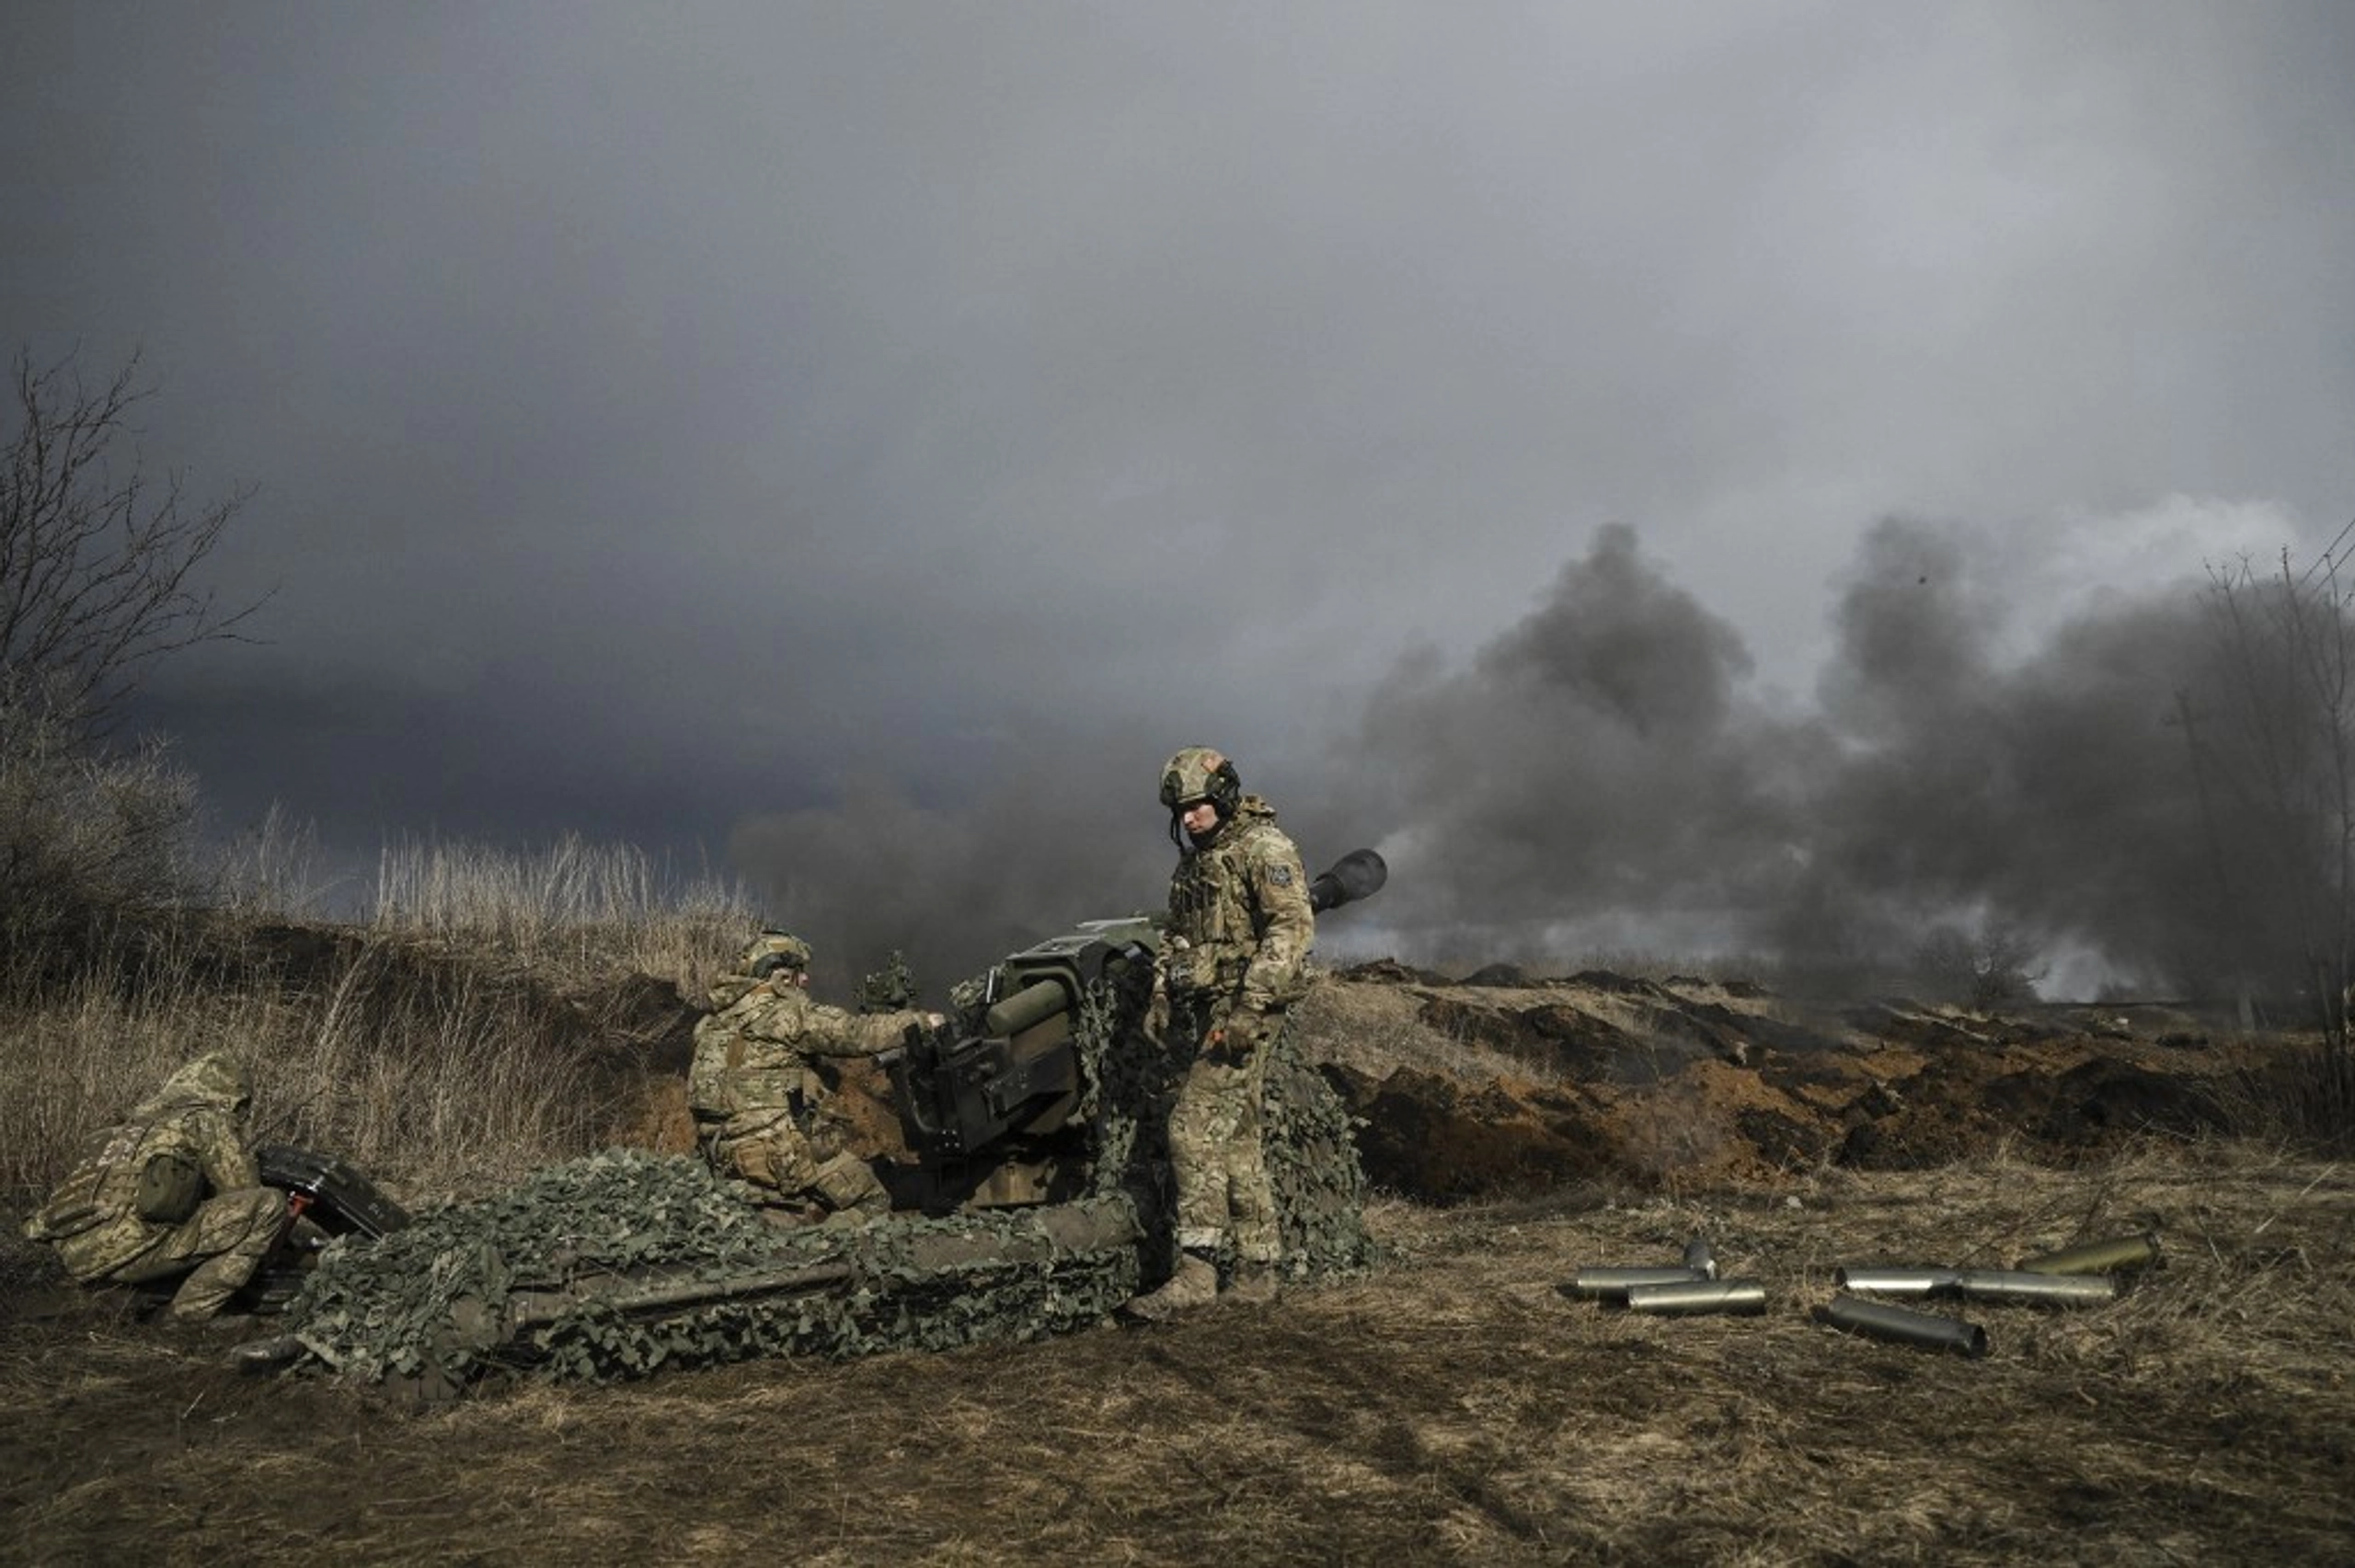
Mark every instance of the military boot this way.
pixel 1254 1283
pixel 1194 1284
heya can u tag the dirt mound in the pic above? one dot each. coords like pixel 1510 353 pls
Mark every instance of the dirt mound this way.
pixel 1504 1082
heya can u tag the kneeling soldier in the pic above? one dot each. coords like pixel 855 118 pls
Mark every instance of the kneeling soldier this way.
pixel 173 1190
pixel 760 1095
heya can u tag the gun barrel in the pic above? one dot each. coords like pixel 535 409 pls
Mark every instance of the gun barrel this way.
pixel 1357 874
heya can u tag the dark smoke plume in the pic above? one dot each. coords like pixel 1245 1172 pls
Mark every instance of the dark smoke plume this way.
pixel 1595 780
pixel 1602 779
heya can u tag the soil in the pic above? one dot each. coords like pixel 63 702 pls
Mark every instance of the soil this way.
pixel 1453 1404
pixel 1490 1088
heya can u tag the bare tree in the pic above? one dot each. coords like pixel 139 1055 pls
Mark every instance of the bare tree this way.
pixel 97 562
pixel 98 569
pixel 2286 758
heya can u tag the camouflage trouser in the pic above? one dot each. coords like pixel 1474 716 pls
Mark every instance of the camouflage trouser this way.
pixel 780 1158
pixel 1217 1152
pixel 225 1240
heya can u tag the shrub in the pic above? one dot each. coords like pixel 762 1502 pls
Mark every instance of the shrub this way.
pixel 87 837
pixel 1986 971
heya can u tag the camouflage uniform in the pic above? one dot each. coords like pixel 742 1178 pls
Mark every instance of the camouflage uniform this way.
pixel 137 1210
pixel 759 1090
pixel 1233 958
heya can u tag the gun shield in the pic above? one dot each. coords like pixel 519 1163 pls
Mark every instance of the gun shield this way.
pixel 2098 1258
pixel 1692 1297
pixel 1879 1319
pixel 1910 1282
pixel 1612 1284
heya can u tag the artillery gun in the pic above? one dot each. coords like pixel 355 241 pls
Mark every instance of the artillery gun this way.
pixel 1037 1201
pixel 993 1102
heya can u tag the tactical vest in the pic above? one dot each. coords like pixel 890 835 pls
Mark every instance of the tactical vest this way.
pixel 737 1072
pixel 1218 922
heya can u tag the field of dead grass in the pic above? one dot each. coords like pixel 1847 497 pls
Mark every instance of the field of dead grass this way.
pixel 1451 1405
pixel 493 1013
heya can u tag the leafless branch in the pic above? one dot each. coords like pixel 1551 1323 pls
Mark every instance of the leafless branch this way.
pixel 98 566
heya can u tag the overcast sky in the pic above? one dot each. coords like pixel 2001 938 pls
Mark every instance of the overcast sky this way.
pixel 858 442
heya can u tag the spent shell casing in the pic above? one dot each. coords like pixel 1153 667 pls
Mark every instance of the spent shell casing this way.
pixel 2098 1258
pixel 1904 1325
pixel 1913 1282
pixel 1612 1284
pixel 1692 1297
pixel 2037 1290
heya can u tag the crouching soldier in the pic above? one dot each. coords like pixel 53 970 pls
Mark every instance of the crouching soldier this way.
pixel 761 1085
pixel 173 1190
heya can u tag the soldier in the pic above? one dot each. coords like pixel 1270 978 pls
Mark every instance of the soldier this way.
pixel 759 1089
pixel 173 1190
pixel 1233 958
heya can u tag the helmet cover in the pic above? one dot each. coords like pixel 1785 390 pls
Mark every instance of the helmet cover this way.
pixel 1197 774
pixel 774 950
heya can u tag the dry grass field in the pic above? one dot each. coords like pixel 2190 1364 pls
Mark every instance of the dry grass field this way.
pixel 1454 1404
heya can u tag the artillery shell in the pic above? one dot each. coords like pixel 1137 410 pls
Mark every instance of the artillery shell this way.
pixel 1699 1256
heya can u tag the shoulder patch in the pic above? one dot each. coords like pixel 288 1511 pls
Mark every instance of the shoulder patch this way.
pixel 1281 875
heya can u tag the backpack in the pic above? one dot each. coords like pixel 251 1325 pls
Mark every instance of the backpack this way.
pixel 170 1186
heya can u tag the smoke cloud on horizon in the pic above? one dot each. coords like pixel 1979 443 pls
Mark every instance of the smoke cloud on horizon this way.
pixel 1604 777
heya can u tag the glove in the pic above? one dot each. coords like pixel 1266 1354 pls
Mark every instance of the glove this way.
pixel 1237 1032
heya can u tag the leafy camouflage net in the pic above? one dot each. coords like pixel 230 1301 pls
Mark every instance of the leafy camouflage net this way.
pixel 624 1262
pixel 1313 1163
pixel 1311 1153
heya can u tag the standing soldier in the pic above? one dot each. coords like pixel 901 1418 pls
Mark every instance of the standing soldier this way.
pixel 759 1087
pixel 173 1190
pixel 1233 958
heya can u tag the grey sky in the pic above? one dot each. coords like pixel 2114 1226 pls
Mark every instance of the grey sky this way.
pixel 731 425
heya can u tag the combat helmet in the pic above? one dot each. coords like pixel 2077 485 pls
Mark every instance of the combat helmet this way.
pixel 1199 773
pixel 771 951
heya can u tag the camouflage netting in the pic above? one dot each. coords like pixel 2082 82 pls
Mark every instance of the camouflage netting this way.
pixel 1312 1157
pixel 1312 1161
pixel 624 1262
